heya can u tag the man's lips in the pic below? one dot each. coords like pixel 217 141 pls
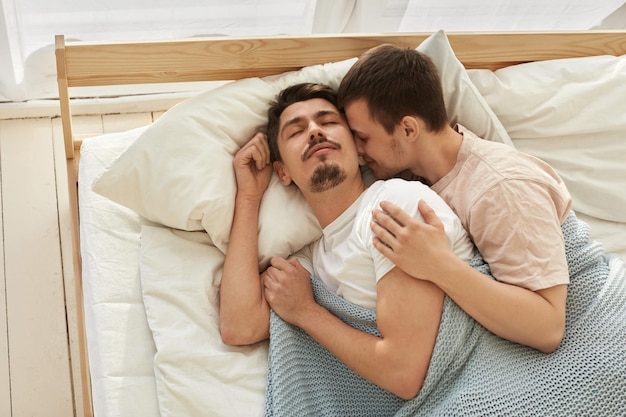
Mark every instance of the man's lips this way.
pixel 315 148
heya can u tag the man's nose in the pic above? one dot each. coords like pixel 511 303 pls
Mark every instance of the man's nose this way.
pixel 315 132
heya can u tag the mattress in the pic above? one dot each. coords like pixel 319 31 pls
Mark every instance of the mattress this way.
pixel 119 341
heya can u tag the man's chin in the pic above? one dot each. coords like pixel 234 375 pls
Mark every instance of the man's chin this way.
pixel 327 176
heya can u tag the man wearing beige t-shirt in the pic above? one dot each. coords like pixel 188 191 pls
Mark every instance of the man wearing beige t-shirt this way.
pixel 511 204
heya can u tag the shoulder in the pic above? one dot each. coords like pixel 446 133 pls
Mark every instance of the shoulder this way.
pixel 501 170
pixel 403 193
pixel 507 162
pixel 403 188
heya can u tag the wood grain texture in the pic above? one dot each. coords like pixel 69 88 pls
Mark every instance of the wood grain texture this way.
pixel 204 59
pixel 230 58
pixel 67 206
pixel 39 361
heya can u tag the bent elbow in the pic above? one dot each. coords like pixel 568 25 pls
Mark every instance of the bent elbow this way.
pixel 548 347
pixel 229 337
pixel 407 386
pixel 408 394
pixel 552 345
pixel 237 336
pixel 553 339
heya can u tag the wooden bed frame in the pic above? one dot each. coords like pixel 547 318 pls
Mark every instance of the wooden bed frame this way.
pixel 82 64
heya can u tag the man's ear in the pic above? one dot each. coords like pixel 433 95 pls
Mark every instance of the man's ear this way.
pixel 282 175
pixel 410 128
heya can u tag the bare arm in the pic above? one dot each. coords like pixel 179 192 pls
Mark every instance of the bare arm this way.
pixel 244 313
pixel 408 316
pixel 532 318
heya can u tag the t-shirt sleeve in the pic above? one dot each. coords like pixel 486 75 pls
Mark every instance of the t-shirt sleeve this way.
pixel 406 195
pixel 377 193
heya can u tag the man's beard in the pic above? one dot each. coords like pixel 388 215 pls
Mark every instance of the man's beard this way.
pixel 326 176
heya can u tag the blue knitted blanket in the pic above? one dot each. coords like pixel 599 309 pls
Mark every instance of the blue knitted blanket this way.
pixel 472 371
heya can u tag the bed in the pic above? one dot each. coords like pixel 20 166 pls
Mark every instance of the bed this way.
pixel 148 210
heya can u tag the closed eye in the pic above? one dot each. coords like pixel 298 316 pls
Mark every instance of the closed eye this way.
pixel 359 137
pixel 329 119
pixel 295 133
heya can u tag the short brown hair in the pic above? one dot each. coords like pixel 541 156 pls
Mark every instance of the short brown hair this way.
pixel 396 82
pixel 287 97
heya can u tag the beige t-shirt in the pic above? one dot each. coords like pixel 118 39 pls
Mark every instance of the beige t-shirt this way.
pixel 512 205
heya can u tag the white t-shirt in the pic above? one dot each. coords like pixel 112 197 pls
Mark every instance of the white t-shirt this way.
pixel 345 258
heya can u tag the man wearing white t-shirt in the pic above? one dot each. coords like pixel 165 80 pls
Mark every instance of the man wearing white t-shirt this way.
pixel 312 146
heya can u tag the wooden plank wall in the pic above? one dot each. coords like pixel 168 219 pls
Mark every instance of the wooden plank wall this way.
pixel 36 331
pixel 35 348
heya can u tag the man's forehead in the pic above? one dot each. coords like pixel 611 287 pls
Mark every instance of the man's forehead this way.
pixel 301 110
pixel 310 106
pixel 359 106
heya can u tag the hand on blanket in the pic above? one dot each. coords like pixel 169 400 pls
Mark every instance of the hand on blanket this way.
pixel 418 248
pixel 288 290
pixel 252 168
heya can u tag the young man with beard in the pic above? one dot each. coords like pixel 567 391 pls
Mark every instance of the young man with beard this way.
pixel 311 145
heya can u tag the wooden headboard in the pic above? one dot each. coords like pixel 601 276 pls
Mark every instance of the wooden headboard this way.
pixel 84 64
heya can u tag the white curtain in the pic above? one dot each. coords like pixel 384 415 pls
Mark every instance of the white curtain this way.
pixel 26 43
pixel 27 27
pixel 507 15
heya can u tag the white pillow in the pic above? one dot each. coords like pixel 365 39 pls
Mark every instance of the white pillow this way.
pixel 179 172
pixel 195 373
pixel 570 113
pixel 464 103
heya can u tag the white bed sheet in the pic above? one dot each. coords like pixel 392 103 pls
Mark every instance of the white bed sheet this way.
pixel 196 373
pixel 119 341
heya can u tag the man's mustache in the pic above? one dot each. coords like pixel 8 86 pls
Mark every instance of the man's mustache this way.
pixel 319 141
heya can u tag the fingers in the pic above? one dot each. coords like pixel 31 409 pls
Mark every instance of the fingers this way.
pixel 296 263
pixel 382 233
pixel 286 289
pixel 393 226
pixel 262 149
pixel 289 266
pixel 389 221
pixel 271 279
pixel 255 151
pixel 279 263
pixel 384 248
pixel 396 213
pixel 429 214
